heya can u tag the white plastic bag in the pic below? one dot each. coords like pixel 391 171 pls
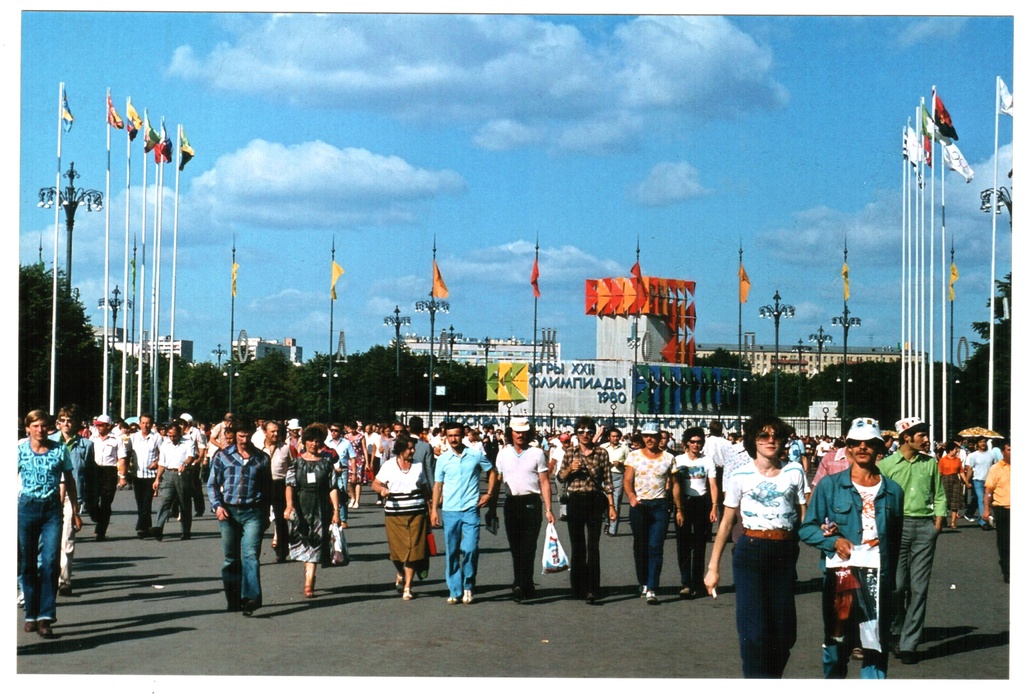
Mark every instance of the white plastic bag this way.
pixel 339 546
pixel 555 559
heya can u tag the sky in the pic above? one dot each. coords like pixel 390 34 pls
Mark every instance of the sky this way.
pixel 490 135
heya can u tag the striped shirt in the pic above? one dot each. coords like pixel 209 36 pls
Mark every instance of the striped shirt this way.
pixel 405 488
pixel 145 451
pixel 238 481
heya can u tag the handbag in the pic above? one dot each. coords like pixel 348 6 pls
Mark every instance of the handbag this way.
pixel 339 547
pixel 554 559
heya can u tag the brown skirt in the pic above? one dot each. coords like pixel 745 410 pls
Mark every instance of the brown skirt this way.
pixel 954 489
pixel 407 536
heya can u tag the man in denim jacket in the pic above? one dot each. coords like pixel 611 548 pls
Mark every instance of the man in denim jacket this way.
pixel 855 518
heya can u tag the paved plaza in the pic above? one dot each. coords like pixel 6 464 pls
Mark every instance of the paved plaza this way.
pixel 142 607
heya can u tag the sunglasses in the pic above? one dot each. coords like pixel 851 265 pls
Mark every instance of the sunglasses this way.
pixel 765 436
pixel 585 431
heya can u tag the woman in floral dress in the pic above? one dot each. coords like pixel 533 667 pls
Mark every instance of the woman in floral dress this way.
pixel 357 476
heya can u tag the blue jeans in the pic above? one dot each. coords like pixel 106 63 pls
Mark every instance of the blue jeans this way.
pixel 649 521
pixel 764 572
pixel 240 538
pixel 979 494
pixel 39 530
pixel 613 526
pixel 461 547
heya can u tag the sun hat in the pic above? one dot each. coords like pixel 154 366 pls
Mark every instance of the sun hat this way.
pixel 864 429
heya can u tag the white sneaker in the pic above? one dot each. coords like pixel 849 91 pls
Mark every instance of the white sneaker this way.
pixel 652 599
pixel 452 600
pixel 467 596
pixel 643 591
pixel 355 505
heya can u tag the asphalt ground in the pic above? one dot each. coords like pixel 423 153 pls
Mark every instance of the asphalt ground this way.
pixel 156 610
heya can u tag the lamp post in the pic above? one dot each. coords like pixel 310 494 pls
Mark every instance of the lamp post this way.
pixel 486 345
pixel 777 311
pixel 551 416
pixel 115 303
pixel 821 338
pixel 219 352
pixel 847 322
pixel 799 372
pixel 1003 198
pixel 452 337
pixel 70 198
pixel 397 321
pixel 431 306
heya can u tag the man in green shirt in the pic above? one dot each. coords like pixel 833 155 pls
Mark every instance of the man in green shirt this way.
pixel 924 507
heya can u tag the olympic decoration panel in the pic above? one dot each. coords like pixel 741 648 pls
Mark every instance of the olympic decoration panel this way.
pixel 676 390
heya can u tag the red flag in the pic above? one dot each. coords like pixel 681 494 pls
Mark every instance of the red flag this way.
pixel 744 285
pixel 112 117
pixel 534 276
pixel 641 289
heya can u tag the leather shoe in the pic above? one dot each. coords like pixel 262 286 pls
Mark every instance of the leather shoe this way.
pixel 910 658
pixel 44 629
pixel 591 599
pixel 64 591
pixel 248 607
pixel 30 626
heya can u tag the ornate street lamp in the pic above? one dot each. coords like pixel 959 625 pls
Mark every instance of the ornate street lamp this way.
pixel 397 321
pixel 452 337
pixel 431 306
pixel 847 322
pixel 821 338
pixel 777 312
pixel 219 352
pixel 1003 198
pixel 115 303
pixel 70 198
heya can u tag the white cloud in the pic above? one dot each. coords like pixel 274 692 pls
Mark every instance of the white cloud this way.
pixel 519 77
pixel 316 185
pixel 668 183
pixel 930 29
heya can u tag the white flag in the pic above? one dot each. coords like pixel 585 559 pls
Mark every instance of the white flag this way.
pixel 912 149
pixel 1005 98
pixel 953 158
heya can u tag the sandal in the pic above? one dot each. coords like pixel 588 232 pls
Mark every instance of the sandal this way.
pixel 407 594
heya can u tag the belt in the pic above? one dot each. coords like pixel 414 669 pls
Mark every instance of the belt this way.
pixel 774 534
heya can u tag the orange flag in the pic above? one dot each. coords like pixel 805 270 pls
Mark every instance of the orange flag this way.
pixel 744 285
pixel 440 290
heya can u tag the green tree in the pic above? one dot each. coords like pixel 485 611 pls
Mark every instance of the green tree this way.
pixel 79 365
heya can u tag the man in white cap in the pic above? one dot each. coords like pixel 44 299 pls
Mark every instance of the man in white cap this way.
pixel 111 470
pixel 524 470
pixel 924 508
pixel 854 519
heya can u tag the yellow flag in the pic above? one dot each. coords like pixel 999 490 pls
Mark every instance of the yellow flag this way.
pixel 954 275
pixel 336 272
pixel 744 285
pixel 234 279
pixel 846 282
pixel 440 290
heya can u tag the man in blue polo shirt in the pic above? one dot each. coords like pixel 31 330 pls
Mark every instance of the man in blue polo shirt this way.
pixel 457 495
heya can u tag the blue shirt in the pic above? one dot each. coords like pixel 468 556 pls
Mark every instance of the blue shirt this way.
pixel 41 474
pixel 238 481
pixel 460 476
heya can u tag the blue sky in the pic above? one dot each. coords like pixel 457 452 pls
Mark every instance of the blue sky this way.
pixel 490 133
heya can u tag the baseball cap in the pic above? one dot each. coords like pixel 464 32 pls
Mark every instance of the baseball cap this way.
pixel 103 419
pixel 650 428
pixel 185 417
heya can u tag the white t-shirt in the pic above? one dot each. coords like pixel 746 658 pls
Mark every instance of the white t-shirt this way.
pixel 767 503
pixel 173 456
pixel 693 473
pixel 650 474
pixel 718 449
pixel 520 471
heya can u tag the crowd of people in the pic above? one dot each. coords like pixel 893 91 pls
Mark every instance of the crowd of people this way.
pixel 873 503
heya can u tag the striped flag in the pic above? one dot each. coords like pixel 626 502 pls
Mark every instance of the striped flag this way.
pixel 65 113
pixel 112 117
pixel 185 153
pixel 134 122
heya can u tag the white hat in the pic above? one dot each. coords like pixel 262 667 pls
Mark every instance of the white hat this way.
pixel 909 423
pixel 650 428
pixel 185 417
pixel 293 424
pixel 519 424
pixel 103 419
pixel 864 429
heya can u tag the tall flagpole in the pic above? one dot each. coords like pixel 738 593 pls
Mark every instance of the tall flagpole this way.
pixel 945 357
pixel 106 282
pixel 56 239
pixel 533 368
pixel 142 279
pixel 903 271
pixel 174 284
pixel 931 290
pixel 154 314
pixel 992 281
pixel 636 336
pixel 231 349
pixel 127 210
pixel 739 339
pixel 330 344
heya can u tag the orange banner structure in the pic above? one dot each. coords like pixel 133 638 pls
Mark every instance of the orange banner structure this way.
pixel 664 300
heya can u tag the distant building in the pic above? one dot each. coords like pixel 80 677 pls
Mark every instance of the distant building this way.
pixel 182 349
pixel 478 351
pixel 761 356
pixel 250 349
